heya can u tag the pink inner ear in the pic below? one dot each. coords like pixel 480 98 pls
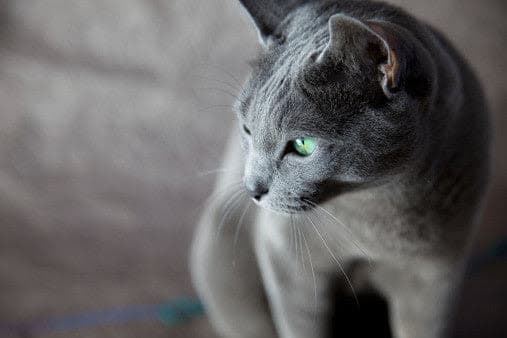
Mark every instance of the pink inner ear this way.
pixel 392 68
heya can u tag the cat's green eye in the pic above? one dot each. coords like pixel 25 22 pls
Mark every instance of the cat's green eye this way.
pixel 305 146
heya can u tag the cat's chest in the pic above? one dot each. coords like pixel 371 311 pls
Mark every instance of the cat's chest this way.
pixel 384 223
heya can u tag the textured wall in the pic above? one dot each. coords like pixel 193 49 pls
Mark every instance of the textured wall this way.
pixel 112 114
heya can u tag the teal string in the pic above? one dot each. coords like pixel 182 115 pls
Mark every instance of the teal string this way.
pixel 180 311
pixel 171 313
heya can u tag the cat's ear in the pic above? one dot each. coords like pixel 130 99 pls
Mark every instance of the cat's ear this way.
pixel 267 15
pixel 378 43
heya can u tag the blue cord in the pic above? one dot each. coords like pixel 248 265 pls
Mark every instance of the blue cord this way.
pixel 171 313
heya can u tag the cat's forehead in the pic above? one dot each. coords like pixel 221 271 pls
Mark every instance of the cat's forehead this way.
pixel 276 109
pixel 275 79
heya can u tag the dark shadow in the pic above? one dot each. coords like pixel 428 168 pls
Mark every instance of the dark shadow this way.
pixel 368 319
pixel 482 301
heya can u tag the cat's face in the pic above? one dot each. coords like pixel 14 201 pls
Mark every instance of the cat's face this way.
pixel 316 118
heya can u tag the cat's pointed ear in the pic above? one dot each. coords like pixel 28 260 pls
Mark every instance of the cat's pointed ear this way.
pixel 267 14
pixel 377 43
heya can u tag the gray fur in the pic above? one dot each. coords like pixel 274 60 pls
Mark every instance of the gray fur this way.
pixel 390 196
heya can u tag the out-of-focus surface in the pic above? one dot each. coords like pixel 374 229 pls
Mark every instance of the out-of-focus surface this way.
pixel 112 115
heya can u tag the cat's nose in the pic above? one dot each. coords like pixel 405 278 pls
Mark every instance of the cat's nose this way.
pixel 256 188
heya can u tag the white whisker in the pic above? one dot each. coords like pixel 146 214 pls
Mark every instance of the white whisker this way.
pixel 334 258
pixel 236 234
pixel 217 194
pixel 215 106
pixel 231 203
pixel 223 70
pixel 300 234
pixel 313 276
pixel 345 227
pixel 230 85
pixel 214 171
pixel 221 90
pixel 294 240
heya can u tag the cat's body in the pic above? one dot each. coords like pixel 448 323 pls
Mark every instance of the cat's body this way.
pixel 397 220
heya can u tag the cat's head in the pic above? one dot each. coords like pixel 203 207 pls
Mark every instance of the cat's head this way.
pixel 331 102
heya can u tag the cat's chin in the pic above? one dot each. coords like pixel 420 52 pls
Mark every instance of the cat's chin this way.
pixel 285 209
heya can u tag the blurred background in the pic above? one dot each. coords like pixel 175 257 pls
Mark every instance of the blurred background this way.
pixel 113 119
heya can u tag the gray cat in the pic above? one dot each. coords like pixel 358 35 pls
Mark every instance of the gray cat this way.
pixel 363 136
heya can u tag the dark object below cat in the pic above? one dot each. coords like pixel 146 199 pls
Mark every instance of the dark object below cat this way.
pixel 368 317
